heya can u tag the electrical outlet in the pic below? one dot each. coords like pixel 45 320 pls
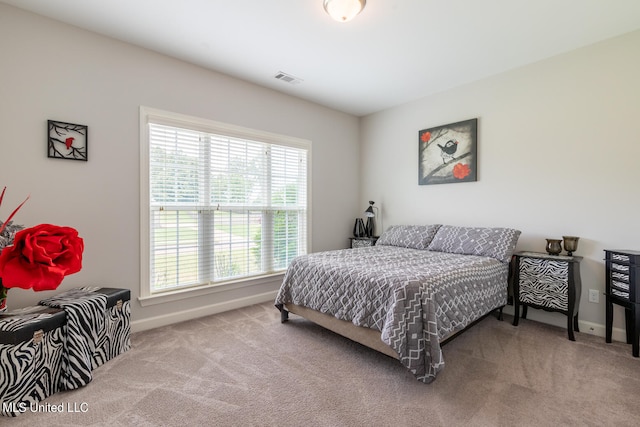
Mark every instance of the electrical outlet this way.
pixel 594 296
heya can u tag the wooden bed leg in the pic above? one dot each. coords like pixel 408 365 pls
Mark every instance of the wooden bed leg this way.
pixel 500 313
pixel 284 314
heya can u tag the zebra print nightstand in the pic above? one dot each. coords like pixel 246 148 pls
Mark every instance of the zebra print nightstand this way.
pixel 361 242
pixel 547 282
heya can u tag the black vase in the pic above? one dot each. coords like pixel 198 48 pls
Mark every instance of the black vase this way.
pixel 358 228
pixel 371 225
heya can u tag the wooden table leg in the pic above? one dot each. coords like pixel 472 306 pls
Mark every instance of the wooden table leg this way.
pixel 608 319
pixel 628 321
pixel 570 328
pixel 635 329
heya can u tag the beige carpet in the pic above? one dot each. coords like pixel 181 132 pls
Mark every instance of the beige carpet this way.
pixel 245 368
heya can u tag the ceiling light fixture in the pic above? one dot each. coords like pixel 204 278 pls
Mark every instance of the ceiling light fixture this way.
pixel 343 10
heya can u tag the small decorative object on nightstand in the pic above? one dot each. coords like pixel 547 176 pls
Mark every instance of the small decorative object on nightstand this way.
pixel 554 246
pixel 371 214
pixel 361 242
pixel 358 228
pixel 570 244
pixel 547 282
pixel 623 288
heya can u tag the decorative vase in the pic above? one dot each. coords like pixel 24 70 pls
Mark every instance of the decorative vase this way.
pixel 570 244
pixel 554 246
pixel 371 225
pixel 358 228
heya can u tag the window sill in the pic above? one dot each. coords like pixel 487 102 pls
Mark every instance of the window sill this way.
pixel 181 294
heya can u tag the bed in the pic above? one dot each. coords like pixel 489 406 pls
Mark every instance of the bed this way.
pixel 417 287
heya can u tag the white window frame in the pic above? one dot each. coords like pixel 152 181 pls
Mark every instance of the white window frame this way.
pixel 152 115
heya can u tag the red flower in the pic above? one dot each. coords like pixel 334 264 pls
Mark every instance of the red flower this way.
pixel 425 137
pixel 461 171
pixel 40 257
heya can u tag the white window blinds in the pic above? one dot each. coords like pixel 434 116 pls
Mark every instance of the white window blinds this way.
pixel 222 207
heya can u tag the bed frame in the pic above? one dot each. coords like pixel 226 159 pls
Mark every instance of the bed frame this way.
pixel 366 336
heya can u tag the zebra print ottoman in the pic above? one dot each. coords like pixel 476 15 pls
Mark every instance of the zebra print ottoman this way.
pixel 112 337
pixel 115 339
pixel 31 347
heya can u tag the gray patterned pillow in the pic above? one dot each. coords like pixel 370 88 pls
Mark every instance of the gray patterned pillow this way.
pixel 497 243
pixel 409 236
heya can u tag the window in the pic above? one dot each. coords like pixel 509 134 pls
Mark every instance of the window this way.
pixel 220 203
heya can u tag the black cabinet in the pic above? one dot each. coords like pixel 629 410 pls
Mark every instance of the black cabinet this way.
pixel 547 282
pixel 622 287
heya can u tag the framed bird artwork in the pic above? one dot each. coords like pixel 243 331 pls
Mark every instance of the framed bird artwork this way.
pixel 67 141
pixel 447 154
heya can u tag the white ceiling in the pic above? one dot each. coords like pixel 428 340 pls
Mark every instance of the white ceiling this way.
pixel 395 51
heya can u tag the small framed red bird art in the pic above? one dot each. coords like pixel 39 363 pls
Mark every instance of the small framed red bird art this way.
pixel 447 153
pixel 67 141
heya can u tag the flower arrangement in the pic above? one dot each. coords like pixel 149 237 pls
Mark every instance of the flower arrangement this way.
pixel 37 257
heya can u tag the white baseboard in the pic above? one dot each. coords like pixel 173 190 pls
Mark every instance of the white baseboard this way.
pixel 617 334
pixel 557 319
pixel 591 328
pixel 181 316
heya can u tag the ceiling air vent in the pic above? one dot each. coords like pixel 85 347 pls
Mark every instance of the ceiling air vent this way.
pixel 287 78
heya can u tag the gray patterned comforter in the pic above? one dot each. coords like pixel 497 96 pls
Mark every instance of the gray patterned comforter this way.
pixel 414 297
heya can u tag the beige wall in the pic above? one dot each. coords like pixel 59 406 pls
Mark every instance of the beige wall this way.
pixel 50 70
pixel 558 154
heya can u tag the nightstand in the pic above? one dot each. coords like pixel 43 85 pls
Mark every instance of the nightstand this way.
pixel 547 282
pixel 623 288
pixel 361 242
